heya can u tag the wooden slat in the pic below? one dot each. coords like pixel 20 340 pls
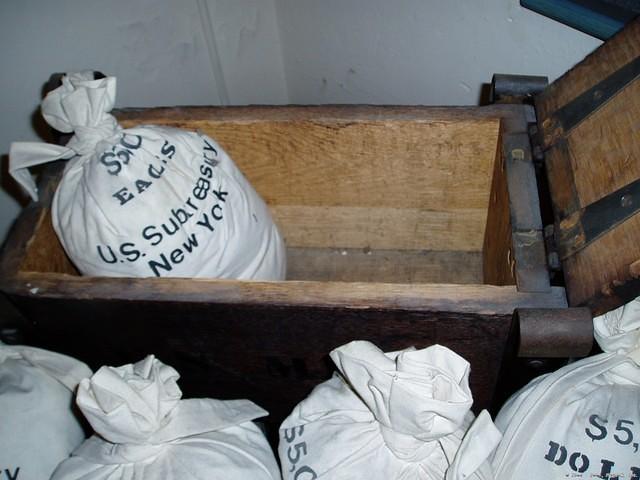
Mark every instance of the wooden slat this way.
pixel 384 266
pixel 562 184
pixel 498 260
pixel 361 260
pixel 381 228
pixel 605 148
pixel 444 165
pixel 480 299
pixel 184 117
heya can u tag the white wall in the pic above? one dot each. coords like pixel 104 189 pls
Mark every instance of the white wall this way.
pixel 433 52
pixel 168 52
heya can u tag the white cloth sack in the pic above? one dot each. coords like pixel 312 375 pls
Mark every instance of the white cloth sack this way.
pixel 582 421
pixel 147 201
pixel 38 425
pixel 144 431
pixel 402 415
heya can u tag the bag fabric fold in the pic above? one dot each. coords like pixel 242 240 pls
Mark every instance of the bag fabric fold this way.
pixel 401 415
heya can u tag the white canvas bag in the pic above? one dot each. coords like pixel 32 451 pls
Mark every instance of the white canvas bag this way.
pixel 144 431
pixel 582 421
pixel 147 201
pixel 38 425
pixel 402 415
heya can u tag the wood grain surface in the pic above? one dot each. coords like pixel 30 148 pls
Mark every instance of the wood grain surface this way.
pixel 384 266
pixel 596 157
pixel 406 178
pixel 481 299
pixel 498 264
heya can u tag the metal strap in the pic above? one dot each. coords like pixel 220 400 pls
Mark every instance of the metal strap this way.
pixel 580 228
pixel 585 104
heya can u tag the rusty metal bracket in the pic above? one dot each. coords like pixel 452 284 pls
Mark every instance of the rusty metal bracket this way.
pixel 532 274
pixel 553 259
pixel 554 332
pixel 506 88
pixel 584 105
pixel 582 227
pixel 528 247
pixel 541 341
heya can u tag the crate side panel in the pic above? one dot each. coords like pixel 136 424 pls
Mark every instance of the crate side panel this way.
pixel 274 356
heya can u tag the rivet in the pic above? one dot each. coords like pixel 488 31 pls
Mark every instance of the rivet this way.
pixel 553 261
pixel 626 201
pixel 517 154
pixel 535 364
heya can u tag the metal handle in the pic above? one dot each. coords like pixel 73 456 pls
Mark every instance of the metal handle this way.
pixel 554 332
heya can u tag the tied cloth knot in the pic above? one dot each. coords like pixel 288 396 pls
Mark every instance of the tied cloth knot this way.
pixel 618 333
pixel 85 140
pixel 80 105
pixel 406 447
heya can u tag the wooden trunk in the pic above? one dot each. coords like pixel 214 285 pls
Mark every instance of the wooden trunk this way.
pixel 589 121
pixel 398 229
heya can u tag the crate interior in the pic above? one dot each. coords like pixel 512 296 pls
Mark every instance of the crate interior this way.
pixel 410 198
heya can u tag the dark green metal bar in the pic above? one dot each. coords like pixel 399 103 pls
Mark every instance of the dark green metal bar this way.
pixel 598 18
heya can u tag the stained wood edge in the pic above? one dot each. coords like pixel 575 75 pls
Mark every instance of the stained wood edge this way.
pixel 258 113
pixel 476 299
pixel 498 264
pixel 527 238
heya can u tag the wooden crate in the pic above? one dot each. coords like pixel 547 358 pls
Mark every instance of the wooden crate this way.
pixel 398 231
pixel 404 226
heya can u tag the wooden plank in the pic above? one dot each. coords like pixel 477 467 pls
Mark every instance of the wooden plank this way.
pixel 562 185
pixel 361 156
pixel 45 254
pixel 498 264
pixel 444 166
pixel 183 117
pixel 414 178
pixel 381 227
pixel 481 299
pixel 384 266
pixel 605 148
